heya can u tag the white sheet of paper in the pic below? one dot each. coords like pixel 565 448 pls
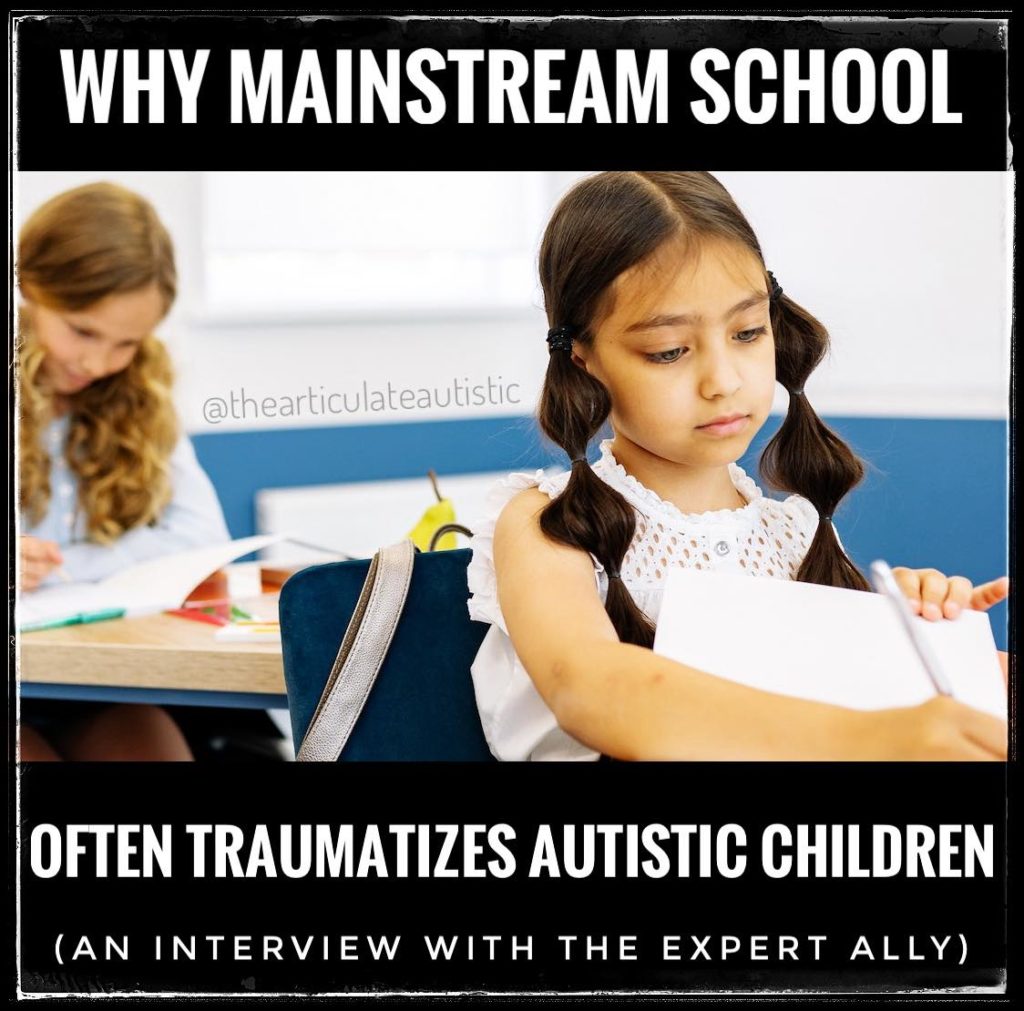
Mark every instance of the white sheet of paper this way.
pixel 62 600
pixel 150 586
pixel 845 647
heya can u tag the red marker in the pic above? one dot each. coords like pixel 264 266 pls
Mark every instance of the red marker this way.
pixel 193 615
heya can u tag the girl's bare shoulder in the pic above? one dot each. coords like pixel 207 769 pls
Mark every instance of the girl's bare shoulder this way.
pixel 520 516
pixel 518 534
pixel 525 504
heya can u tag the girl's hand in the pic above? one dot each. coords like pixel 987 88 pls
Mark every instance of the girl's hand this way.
pixel 939 730
pixel 933 595
pixel 38 559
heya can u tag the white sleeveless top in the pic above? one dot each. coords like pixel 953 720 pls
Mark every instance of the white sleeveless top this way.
pixel 766 537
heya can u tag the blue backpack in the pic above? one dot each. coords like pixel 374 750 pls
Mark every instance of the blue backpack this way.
pixel 370 678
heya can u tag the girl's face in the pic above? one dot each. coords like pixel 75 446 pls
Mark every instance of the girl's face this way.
pixel 688 354
pixel 84 345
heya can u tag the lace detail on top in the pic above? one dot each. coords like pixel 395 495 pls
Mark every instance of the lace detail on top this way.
pixel 765 537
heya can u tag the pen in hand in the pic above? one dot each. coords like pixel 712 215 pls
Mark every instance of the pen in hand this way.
pixel 885 583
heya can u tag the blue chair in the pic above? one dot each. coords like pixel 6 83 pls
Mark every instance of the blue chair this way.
pixel 422 707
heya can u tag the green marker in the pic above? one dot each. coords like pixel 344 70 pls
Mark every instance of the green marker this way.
pixel 86 618
pixel 237 612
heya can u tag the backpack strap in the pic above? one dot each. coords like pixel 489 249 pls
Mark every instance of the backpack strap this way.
pixel 361 655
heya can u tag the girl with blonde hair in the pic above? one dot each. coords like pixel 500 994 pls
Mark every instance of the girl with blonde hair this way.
pixel 106 477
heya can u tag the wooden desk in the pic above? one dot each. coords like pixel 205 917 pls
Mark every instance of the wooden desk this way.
pixel 160 658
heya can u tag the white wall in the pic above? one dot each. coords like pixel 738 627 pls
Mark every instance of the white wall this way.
pixel 910 272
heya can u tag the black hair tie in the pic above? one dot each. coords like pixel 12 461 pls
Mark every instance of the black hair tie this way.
pixel 797 393
pixel 612 573
pixel 775 292
pixel 579 459
pixel 560 338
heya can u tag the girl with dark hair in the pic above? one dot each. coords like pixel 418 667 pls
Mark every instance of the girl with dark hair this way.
pixel 665 322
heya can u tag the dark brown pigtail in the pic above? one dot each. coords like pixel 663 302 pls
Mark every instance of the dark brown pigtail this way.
pixel 805 456
pixel 589 513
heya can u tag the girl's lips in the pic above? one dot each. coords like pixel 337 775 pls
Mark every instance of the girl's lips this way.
pixel 730 427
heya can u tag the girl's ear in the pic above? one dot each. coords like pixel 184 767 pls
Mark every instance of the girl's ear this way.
pixel 578 359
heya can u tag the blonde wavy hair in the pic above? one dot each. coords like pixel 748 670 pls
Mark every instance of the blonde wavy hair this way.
pixel 81 246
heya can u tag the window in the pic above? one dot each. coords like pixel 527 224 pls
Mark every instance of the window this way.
pixel 340 244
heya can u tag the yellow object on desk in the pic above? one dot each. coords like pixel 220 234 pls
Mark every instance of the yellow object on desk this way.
pixel 433 518
pixel 441 513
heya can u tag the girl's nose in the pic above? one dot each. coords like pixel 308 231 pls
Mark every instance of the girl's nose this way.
pixel 719 376
pixel 92 366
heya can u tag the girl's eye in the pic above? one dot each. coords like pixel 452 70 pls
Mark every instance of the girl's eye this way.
pixel 749 336
pixel 666 357
pixel 81 331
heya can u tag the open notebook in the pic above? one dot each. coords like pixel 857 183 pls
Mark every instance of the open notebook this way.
pixel 845 647
pixel 150 586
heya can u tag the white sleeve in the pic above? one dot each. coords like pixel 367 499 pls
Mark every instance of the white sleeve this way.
pixel 193 518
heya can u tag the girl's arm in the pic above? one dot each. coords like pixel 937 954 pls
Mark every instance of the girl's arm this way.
pixel 193 518
pixel 630 703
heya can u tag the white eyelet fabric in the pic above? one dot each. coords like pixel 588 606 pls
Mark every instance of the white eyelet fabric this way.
pixel 766 537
